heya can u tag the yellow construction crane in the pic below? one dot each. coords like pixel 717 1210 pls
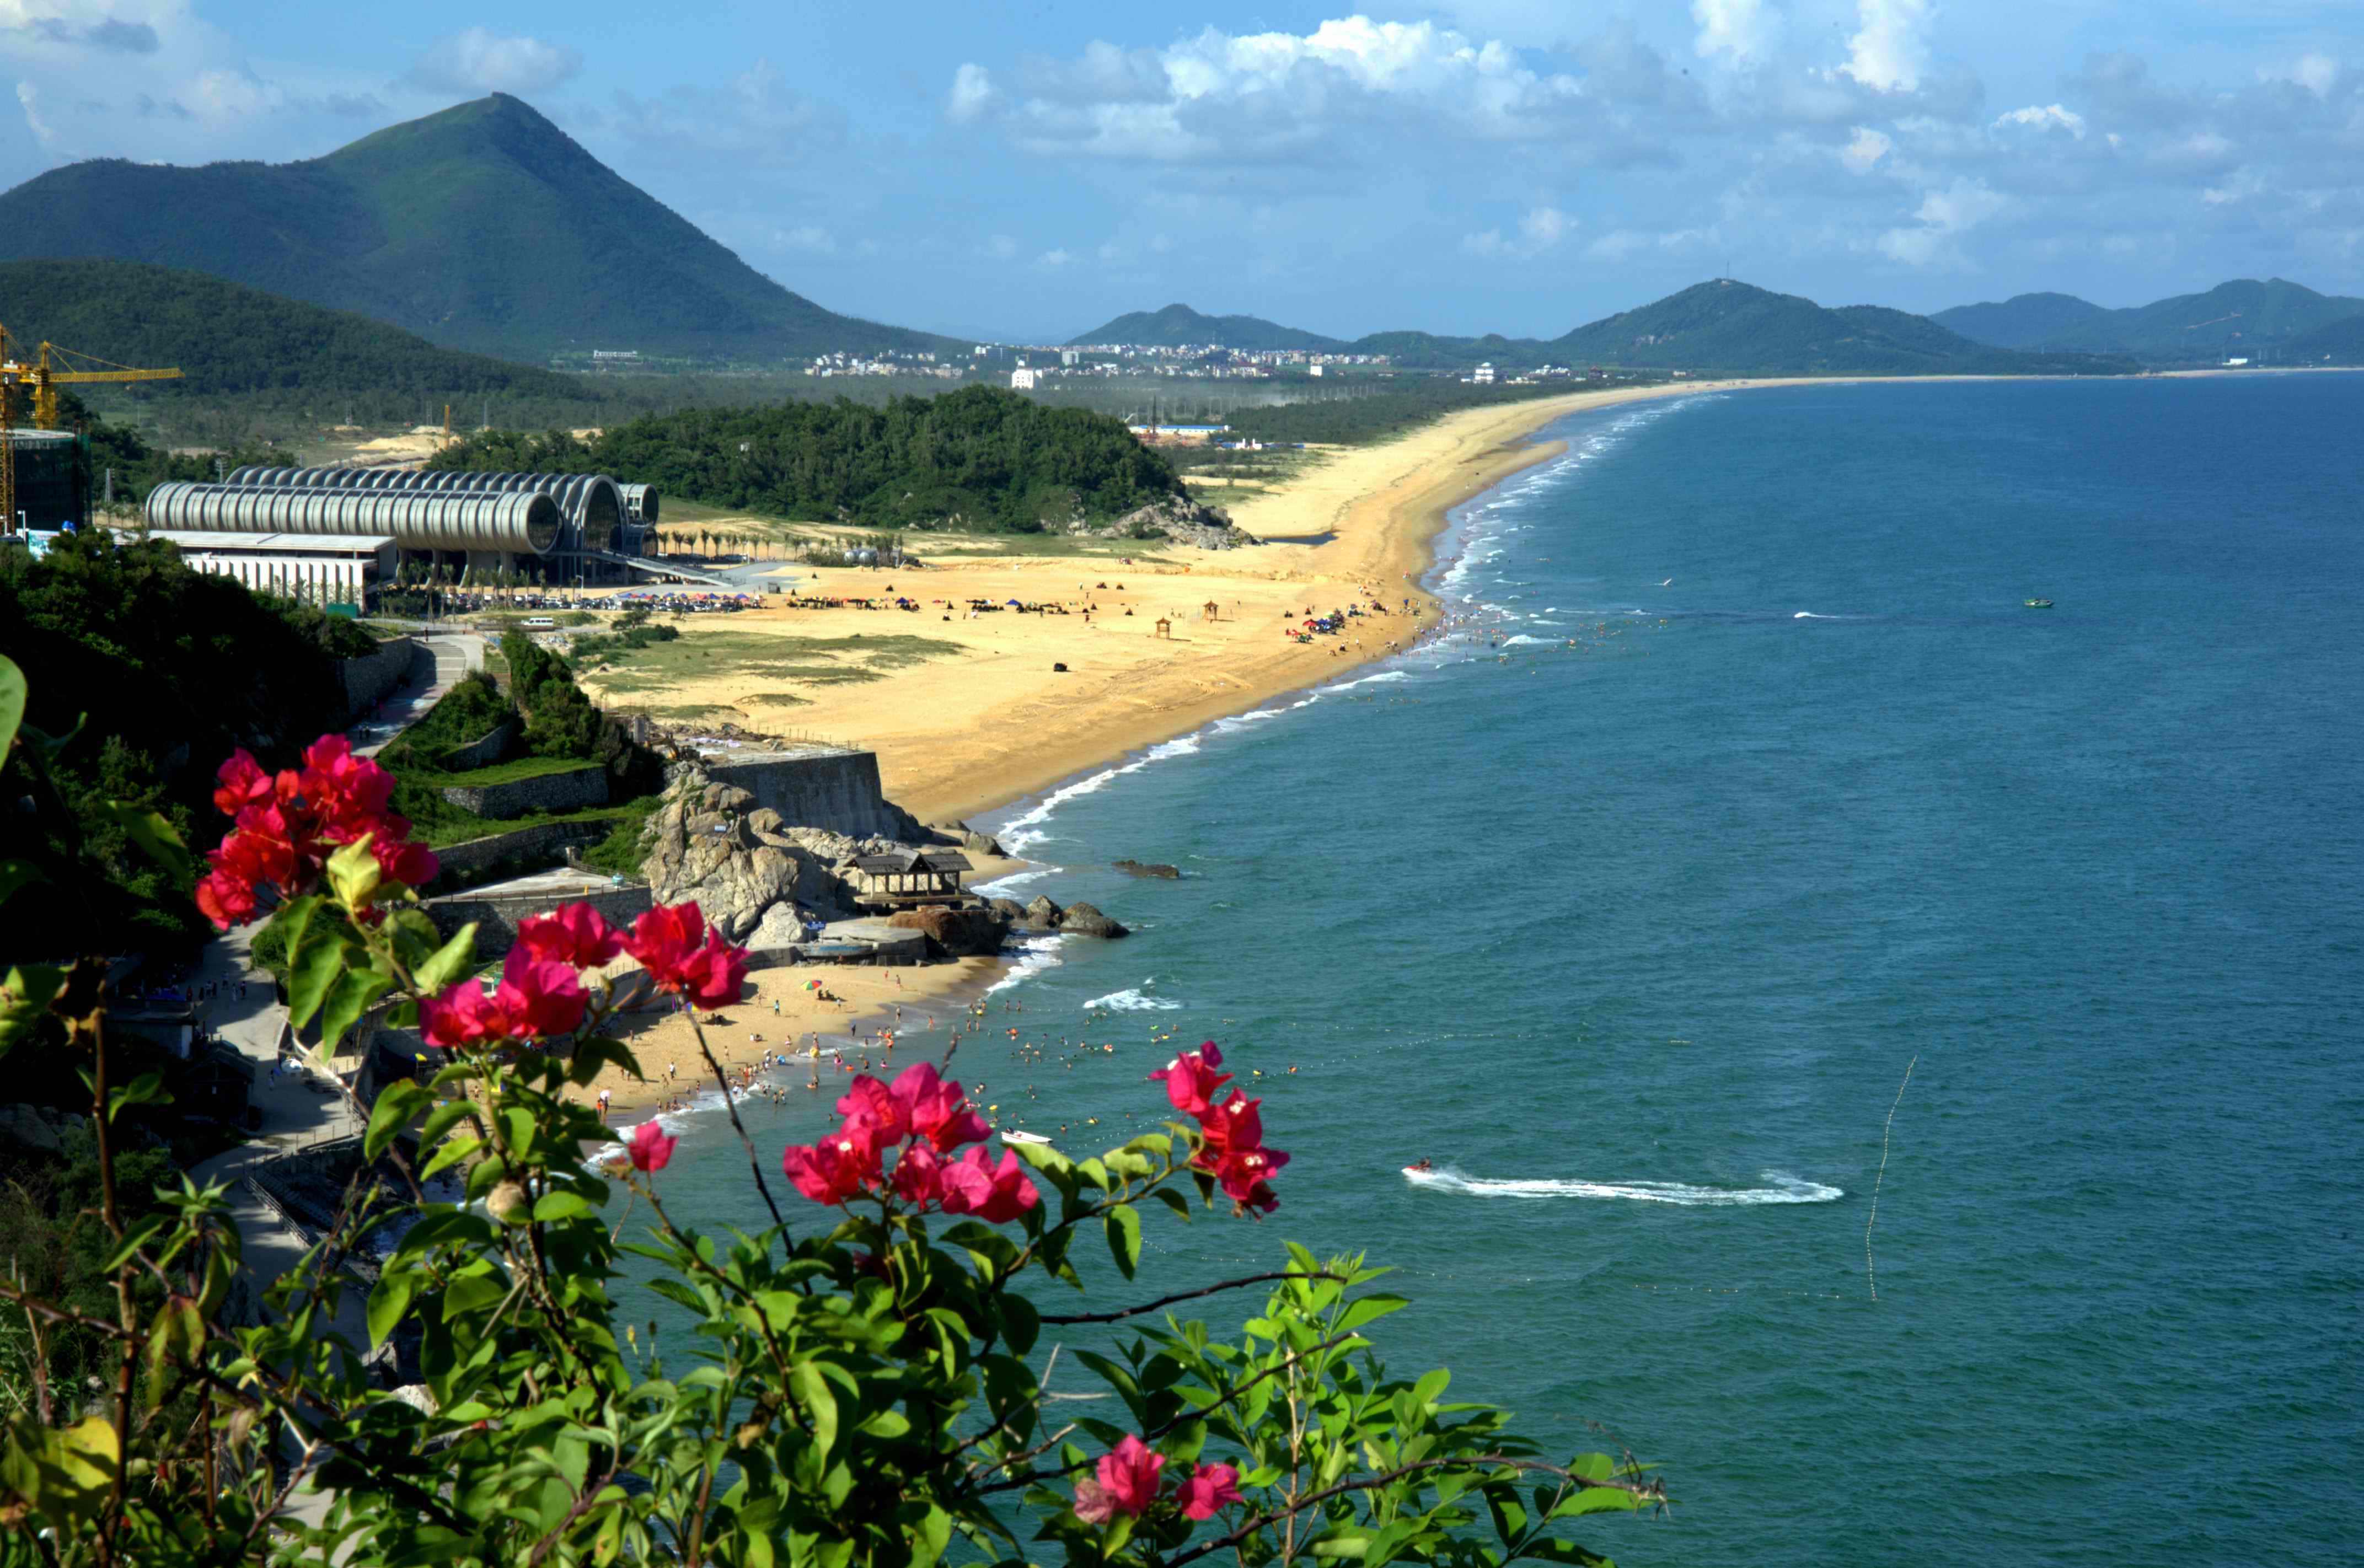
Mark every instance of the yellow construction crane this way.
pixel 49 371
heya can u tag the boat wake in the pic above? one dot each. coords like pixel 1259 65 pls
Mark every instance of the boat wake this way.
pixel 1781 1187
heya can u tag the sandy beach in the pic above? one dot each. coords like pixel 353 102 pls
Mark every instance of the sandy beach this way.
pixel 970 713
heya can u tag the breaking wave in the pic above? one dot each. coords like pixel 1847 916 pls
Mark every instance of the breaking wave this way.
pixel 1134 1001
pixel 1780 1188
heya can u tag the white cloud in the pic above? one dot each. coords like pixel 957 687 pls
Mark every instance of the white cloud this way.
pixel 2048 116
pixel 1867 148
pixel 971 93
pixel 29 98
pixel 1058 258
pixel 1275 95
pixel 1001 248
pixel 2318 73
pixel 1891 51
pixel 1742 29
pixel 1540 229
pixel 480 61
pixel 1941 215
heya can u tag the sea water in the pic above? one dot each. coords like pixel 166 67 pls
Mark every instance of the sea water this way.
pixel 1744 785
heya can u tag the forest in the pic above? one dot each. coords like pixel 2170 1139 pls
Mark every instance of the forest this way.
pixel 979 458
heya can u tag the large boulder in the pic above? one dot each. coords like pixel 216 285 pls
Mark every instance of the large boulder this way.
pixel 1084 920
pixel 780 931
pixel 966 932
pixel 1043 915
pixel 1010 910
pixel 1149 868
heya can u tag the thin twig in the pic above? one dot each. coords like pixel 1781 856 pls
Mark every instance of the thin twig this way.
pixel 1873 1219
pixel 1189 1296
pixel 732 1106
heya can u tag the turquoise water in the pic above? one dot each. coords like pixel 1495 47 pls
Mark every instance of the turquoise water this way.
pixel 1634 924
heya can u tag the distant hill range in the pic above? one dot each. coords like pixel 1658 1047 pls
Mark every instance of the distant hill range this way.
pixel 2341 343
pixel 230 339
pixel 2244 318
pixel 1179 327
pixel 483 227
pixel 1724 325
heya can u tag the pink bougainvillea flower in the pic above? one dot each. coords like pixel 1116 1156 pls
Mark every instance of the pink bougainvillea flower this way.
pixel 650 1147
pixel 1208 1489
pixel 1092 1503
pixel 348 793
pixel 572 933
pixel 1243 1175
pixel 243 784
pixel 919 1178
pixel 663 939
pixel 401 862
pixel 1235 1124
pixel 878 1107
pixel 715 974
pixel 1127 1475
pixel 1191 1080
pixel 462 1016
pixel 539 996
pixel 996 1193
pixel 835 1169
pixel 225 899
pixel 937 1110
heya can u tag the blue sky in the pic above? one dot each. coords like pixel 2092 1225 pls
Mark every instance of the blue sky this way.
pixel 1505 165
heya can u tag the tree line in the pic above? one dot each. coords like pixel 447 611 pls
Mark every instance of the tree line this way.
pixel 979 458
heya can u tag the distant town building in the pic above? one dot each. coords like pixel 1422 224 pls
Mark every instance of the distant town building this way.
pixel 1024 380
pixel 1313 370
pixel 1483 375
pixel 599 355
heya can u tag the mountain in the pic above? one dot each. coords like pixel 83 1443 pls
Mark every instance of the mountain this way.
pixel 483 227
pixel 2341 343
pixel 2022 321
pixel 230 339
pixel 1179 326
pixel 1733 327
pixel 2241 318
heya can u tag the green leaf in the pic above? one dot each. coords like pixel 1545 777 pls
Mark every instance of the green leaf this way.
pixel 397 1104
pixel 25 997
pixel 812 1391
pixel 1551 1549
pixel 388 1302
pixel 13 692
pixel 312 974
pixel 451 961
pixel 560 1204
pixel 1123 1226
pixel 1021 1325
pixel 1370 1308
pixel 348 999
pixel 353 872
pixel 598 1051
pixel 14 875
pixel 442 1119
pixel 148 1088
pixel 1597 1500
pixel 1431 1387
pixel 156 839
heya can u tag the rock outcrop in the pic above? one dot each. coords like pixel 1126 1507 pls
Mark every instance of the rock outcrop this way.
pixel 711 842
pixel 1149 868
pixel 969 932
pixel 1084 920
pixel 1176 518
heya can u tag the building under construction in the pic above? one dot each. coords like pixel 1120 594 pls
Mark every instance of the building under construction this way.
pixel 331 535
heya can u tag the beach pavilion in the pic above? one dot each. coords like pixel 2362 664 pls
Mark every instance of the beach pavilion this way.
pixel 912 876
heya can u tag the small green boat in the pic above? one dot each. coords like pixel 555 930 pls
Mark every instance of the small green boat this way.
pixel 2037 604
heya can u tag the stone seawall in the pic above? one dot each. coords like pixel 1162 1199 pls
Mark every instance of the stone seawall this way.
pixel 827 787
pixel 542 841
pixel 498 917
pixel 587 786
pixel 368 678
pixel 480 753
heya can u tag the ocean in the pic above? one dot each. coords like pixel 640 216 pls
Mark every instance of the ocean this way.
pixel 1743 784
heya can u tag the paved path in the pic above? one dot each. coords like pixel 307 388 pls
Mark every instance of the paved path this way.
pixel 294 1113
pixel 457 654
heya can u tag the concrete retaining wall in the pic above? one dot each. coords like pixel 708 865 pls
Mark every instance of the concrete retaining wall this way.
pixel 497 918
pixel 542 841
pixel 481 754
pixel 368 678
pixel 587 786
pixel 823 787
